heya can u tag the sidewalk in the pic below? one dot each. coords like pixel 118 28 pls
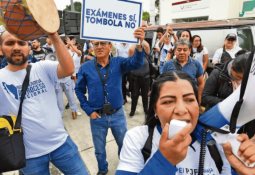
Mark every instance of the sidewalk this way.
pixel 79 131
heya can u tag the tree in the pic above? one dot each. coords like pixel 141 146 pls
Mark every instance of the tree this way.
pixel 146 16
pixel 77 7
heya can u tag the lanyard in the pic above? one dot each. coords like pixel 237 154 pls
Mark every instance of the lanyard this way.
pixel 103 79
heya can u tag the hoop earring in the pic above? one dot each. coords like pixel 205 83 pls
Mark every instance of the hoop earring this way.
pixel 156 117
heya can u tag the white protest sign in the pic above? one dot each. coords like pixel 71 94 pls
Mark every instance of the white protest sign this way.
pixel 110 20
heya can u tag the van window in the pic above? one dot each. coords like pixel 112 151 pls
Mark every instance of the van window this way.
pixel 245 38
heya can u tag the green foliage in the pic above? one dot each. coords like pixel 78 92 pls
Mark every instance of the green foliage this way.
pixel 77 7
pixel 146 16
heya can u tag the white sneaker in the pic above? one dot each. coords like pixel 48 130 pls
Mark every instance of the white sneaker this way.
pixel 78 113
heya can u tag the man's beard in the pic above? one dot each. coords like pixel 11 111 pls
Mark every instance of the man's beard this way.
pixel 34 47
pixel 19 62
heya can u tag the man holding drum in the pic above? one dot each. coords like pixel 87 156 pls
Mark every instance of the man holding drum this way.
pixel 45 137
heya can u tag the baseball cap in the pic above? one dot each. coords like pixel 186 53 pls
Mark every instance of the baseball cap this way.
pixel 231 36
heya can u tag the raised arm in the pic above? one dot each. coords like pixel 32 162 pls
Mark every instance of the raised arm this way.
pixel 66 65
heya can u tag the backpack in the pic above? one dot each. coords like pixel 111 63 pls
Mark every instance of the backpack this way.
pixel 214 152
pixel 225 57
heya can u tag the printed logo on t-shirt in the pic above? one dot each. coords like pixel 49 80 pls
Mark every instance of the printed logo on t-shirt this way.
pixel 34 89
pixel 192 171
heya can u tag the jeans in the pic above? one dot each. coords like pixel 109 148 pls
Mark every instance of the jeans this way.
pixel 67 88
pixel 161 65
pixel 66 158
pixel 99 128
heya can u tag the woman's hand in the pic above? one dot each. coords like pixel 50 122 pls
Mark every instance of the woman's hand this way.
pixel 175 149
pixel 246 152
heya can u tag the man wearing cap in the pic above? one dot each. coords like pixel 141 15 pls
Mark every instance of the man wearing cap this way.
pixel 228 50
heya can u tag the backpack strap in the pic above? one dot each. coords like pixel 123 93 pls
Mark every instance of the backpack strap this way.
pixel 146 150
pixel 25 84
pixel 215 154
pixel 225 57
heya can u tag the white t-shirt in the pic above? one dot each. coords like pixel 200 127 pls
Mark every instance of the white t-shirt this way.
pixel 41 119
pixel 131 158
pixel 218 53
pixel 199 55
pixel 166 48
pixel 76 61
pixel 122 50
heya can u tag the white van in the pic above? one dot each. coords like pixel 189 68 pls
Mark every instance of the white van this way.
pixel 213 33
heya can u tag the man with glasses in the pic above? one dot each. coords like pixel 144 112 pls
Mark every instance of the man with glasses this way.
pixel 101 79
pixel 185 63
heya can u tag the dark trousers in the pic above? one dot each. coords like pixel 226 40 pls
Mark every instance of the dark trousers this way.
pixel 155 61
pixel 124 89
pixel 140 84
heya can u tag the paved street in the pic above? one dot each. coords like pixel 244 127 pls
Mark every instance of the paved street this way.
pixel 79 130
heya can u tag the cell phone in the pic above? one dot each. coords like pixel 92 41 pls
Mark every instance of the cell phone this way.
pixel 107 108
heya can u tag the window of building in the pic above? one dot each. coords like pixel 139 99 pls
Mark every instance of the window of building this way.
pixel 203 18
pixel 245 38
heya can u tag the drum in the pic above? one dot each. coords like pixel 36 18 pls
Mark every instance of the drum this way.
pixel 29 19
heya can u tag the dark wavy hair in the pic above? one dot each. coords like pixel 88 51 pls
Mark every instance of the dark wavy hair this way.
pixel 179 34
pixel 239 63
pixel 150 120
pixel 200 47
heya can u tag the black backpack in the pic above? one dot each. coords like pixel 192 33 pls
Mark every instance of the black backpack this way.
pixel 225 57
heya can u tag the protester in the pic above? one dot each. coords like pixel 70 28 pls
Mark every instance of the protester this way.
pixel 156 47
pixel 185 63
pixel 140 81
pixel 183 34
pixel 199 52
pixel 122 50
pixel 165 45
pixel 101 79
pixel 228 50
pixel 186 35
pixel 38 52
pixel 174 96
pixel 45 137
pixel 67 84
pixel 223 80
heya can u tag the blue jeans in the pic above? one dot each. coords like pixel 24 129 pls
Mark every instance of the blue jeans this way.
pixel 99 128
pixel 66 158
pixel 161 65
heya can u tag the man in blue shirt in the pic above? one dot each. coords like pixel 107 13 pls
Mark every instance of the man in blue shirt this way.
pixel 101 78
pixel 185 63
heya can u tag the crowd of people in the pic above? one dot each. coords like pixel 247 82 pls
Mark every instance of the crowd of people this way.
pixel 101 75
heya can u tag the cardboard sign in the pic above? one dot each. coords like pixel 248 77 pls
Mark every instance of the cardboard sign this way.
pixel 110 20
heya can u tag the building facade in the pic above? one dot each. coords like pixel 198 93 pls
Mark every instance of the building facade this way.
pixel 172 11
